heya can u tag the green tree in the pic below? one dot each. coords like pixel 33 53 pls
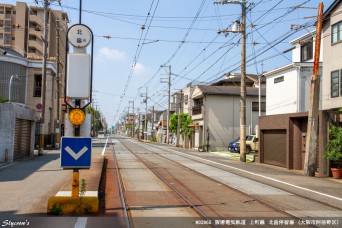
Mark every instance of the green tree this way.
pixel 185 130
pixel 95 118
pixel 2 100
pixel 334 146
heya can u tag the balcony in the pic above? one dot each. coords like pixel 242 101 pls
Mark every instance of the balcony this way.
pixel 197 112
pixel 39 21
pixel 36 44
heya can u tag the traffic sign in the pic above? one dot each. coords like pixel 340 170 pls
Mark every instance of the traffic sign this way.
pixel 39 106
pixel 76 152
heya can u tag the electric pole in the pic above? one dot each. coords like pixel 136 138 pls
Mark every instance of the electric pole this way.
pixel 152 121
pixel 311 135
pixel 168 103
pixel 243 86
pixel 243 75
pixel 58 132
pixel 128 120
pixel 179 118
pixel 138 124
pixel 145 114
pixel 133 124
pixel 45 45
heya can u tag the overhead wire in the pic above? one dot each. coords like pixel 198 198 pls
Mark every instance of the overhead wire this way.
pixel 261 49
pixel 137 53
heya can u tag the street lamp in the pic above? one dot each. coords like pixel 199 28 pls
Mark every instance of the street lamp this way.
pixel 10 87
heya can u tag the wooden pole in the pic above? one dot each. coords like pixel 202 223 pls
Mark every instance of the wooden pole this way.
pixel 311 135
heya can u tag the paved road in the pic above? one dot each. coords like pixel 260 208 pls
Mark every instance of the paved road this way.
pixel 26 186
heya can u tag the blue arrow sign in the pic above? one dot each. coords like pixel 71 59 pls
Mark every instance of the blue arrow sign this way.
pixel 76 152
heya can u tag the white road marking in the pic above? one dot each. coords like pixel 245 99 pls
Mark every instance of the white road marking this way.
pixel 104 148
pixel 81 222
pixel 74 155
pixel 259 175
pixel 8 165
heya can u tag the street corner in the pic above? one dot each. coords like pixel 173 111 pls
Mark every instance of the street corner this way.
pixel 64 205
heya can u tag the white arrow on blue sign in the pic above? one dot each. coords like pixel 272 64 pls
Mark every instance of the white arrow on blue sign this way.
pixel 76 152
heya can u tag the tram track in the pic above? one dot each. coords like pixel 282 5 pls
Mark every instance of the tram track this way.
pixel 206 177
pixel 128 143
pixel 126 208
pixel 245 176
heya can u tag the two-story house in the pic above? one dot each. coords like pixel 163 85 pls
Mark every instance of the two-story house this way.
pixel 332 54
pixel 283 129
pixel 215 111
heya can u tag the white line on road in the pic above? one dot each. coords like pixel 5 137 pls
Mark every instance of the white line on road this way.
pixel 81 222
pixel 104 148
pixel 259 175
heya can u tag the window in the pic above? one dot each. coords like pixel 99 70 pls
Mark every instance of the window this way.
pixel 14 12
pixel 1 36
pixel 1 23
pixel 279 79
pixel 37 90
pixel 255 106
pixel 335 83
pixel 306 50
pixel 33 12
pixel 336 31
pixel 186 98
pixel 1 12
pixel 13 38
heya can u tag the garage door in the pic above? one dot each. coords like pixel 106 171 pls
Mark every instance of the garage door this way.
pixel 275 147
pixel 22 138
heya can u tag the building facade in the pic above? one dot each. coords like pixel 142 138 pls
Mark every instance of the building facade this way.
pixel 215 114
pixel 22 30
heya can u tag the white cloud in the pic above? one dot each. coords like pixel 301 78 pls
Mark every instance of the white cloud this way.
pixel 140 68
pixel 112 54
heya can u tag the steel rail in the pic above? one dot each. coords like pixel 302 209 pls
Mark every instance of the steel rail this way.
pixel 122 195
pixel 193 206
pixel 281 188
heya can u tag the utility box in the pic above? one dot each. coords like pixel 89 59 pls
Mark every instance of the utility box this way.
pixel 78 76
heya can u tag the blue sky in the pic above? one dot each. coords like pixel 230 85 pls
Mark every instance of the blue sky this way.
pixel 182 34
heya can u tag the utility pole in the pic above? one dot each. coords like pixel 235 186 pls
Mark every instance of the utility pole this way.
pixel 243 86
pixel 311 135
pixel 138 124
pixel 152 122
pixel 168 103
pixel 45 45
pixel 243 75
pixel 128 120
pixel 58 132
pixel 145 114
pixel 133 124
pixel 179 118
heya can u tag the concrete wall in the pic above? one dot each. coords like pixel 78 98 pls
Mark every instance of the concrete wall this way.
pixel 9 112
pixel 282 97
pixel 222 116
pixel 332 56
pixel 295 126
pixel 292 95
